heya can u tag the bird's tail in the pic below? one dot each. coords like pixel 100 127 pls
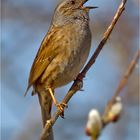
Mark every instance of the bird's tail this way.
pixel 45 101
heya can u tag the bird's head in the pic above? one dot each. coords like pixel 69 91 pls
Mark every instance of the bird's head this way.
pixel 68 9
pixel 71 5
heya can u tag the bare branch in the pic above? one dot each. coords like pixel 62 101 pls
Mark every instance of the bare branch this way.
pixel 79 80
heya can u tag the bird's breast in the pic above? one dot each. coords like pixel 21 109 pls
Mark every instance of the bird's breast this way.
pixel 76 53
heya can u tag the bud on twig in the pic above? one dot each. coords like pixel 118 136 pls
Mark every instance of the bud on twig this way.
pixel 94 124
pixel 115 110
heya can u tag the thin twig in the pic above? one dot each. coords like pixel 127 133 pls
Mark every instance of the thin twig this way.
pixel 105 37
pixel 79 80
pixel 124 80
pixel 127 74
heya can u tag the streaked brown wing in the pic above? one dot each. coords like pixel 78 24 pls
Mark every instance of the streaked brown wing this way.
pixel 45 55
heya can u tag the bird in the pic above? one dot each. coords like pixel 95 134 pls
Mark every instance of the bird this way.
pixel 62 53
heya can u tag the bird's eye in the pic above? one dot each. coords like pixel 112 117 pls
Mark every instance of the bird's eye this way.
pixel 72 2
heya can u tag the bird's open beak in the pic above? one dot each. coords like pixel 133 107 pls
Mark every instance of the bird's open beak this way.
pixel 87 8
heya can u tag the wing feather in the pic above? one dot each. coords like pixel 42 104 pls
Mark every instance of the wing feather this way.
pixel 46 53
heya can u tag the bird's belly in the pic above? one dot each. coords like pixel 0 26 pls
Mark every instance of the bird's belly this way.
pixel 72 69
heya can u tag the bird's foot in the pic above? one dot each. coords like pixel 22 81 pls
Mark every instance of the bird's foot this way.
pixel 61 107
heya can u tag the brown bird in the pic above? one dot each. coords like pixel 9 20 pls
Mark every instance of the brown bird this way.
pixel 62 54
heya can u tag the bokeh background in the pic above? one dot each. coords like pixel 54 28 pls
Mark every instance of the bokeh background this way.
pixel 24 24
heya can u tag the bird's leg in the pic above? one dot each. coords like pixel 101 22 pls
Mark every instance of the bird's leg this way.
pixel 60 106
pixel 52 96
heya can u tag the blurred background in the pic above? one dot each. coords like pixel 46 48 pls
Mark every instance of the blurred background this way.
pixel 24 24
